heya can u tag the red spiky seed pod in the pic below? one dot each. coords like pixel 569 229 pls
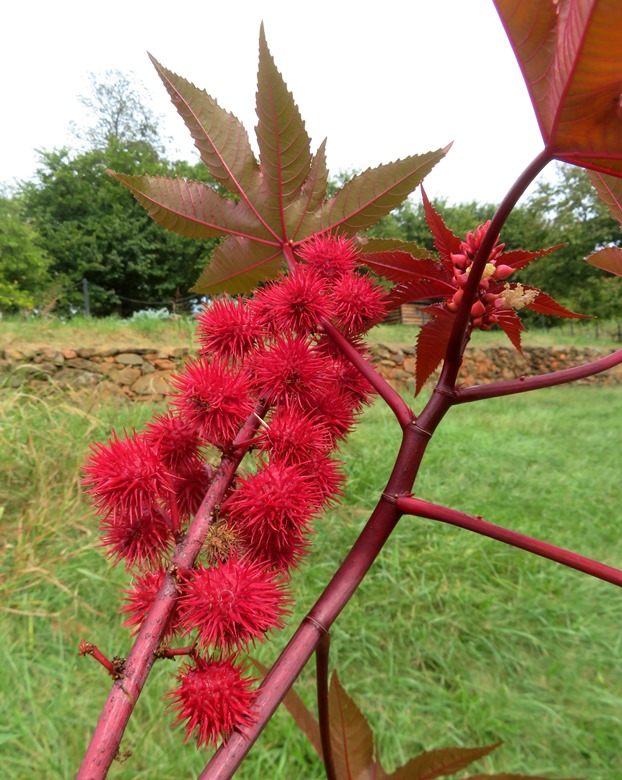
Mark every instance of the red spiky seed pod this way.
pixel 124 476
pixel 292 435
pixel 175 442
pixel 295 302
pixel 141 597
pixel 190 485
pixel 330 256
pixel 228 329
pixel 214 399
pixel 232 604
pixel 142 540
pixel 288 370
pixel 358 303
pixel 213 697
pixel 271 512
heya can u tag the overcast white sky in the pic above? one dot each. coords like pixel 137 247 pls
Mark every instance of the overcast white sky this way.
pixel 381 80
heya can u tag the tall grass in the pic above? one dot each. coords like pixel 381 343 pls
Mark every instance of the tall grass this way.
pixel 452 639
pixel 18 333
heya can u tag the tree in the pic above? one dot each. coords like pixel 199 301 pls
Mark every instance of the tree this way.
pixel 92 228
pixel 571 212
pixel 118 110
pixel 23 264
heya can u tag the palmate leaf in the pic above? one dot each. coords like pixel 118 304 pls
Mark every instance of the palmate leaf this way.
pixel 445 241
pixel 544 304
pixel 441 762
pixel 238 265
pixel 607 259
pixel 219 136
pixel 432 343
pixel 570 55
pixel 506 776
pixel 609 189
pixel 403 267
pixel 373 245
pixel 519 258
pixel 350 735
pixel 372 194
pixel 192 208
pixel 417 290
pixel 510 323
pixel 276 204
pixel 284 146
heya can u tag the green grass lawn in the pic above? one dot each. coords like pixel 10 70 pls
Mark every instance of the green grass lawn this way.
pixel 17 333
pixel 452 638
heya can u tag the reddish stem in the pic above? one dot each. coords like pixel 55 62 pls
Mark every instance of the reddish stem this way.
pixel 125 692
pixel 392 399
pixel 321 667
pixel 457 342
pixel 416 506
pixel 522 385
pixel 86 648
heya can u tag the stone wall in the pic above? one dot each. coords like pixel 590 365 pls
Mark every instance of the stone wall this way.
pixel 144 373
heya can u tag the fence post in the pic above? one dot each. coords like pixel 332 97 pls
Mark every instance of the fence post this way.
pixel 85 292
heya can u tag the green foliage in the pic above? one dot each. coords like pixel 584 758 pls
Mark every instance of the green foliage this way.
pixel 23 264
pixel 92 228
pixel 451 661
pixel 573 213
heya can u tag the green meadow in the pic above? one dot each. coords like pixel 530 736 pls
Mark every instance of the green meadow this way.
pixel 452 639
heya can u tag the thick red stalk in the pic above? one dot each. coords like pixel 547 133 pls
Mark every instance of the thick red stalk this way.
pixel 338 592
pixel 456 344
pixel 122 699
pixel 522 385
pixel 416 506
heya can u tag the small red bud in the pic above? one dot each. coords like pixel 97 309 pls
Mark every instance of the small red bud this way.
pixel 477 309
pixel 503 271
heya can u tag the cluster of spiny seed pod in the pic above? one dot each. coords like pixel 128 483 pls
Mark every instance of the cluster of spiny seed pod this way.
pixel 269 353
pixel 493 295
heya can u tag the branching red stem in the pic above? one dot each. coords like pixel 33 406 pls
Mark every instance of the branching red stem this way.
pixel 125 692
pixel 455 347
pixel 522 385
pixel 416 506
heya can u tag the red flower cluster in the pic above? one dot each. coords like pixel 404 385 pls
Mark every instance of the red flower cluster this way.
pixel 496 300
pixel 270 351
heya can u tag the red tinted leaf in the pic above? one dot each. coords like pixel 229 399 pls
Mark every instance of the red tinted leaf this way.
pixel 609 190
pixel 238 265
pixel 374 193
pixel 441 762
pixel 509 322
pixel 432 343
pixel 607 259
pixel 314 189
pixel 403 267
pixel 299 712
pixel 350 735
pixel 191 208
pixel 418 290
pixel 220 138
pixel 571 59
pixel 544 304
pixel 283 141
pixel 444 240
pixel 371 245
pixel 520 258
pixel 505 776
